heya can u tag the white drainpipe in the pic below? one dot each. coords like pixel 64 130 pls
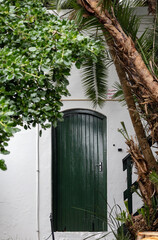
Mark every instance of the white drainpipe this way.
pixel 37 184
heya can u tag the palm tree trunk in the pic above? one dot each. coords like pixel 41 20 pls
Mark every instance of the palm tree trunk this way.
pixel 129 57
pixel 152 6
pixel 143 83
pixel 147 162
pixel 128 60
pixel 143 163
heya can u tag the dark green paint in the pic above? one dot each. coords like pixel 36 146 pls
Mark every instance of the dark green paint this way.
pixel 79 189
pixel 127 194
pixel 127 165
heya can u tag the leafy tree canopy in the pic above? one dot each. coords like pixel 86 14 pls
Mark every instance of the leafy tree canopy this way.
pixel 37 50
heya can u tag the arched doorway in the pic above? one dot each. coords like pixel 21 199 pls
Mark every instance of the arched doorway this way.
pixel 79 172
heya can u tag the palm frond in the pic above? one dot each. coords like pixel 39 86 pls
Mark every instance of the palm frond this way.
pixel 147 45
pixel 127 18
pixel 136 3
pixel 144 45
pixel 155 44
pixel 154 178
pixel 78 15
pixel 123 11
pixel 66 4
pixel 119 93
pixel 123 131
pixel 90 24
pixel 49 4
pixel 106 4
pixel 94 79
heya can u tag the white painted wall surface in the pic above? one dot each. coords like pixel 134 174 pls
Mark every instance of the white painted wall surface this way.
pixel 18 184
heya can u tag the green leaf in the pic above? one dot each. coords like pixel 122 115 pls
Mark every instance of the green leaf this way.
pixel 10 113
pixel 37 52
pixel 5 152
pixel 3 165
pixel 40 133
pixel 80 38
pixel 78 65
pixel 15 130
pixel 10 77
pixel 32 49
pixel 25 127
pixel 47 125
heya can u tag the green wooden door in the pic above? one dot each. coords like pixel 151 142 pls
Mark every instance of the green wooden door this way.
pixel 79 172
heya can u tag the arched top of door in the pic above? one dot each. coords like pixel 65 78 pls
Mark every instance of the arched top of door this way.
pixel 83 111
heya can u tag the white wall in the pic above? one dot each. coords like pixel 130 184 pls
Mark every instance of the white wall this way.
pixel 17 189
pixel 18 184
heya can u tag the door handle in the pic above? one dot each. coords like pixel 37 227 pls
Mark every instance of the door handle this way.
pixel 100 165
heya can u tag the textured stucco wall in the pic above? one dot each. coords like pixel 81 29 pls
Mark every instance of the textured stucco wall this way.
pixel 18 184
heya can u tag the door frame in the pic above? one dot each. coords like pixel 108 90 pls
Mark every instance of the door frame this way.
pixel 54 159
